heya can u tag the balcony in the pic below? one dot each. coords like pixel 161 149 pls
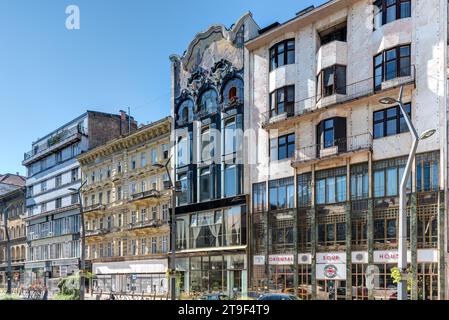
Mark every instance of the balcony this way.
pixel 54 143
pixel 95 207
pixel 351 92
pixel 317 152
pixel 146 195
pixel 146 224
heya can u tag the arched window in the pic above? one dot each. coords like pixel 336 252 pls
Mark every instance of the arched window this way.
pixel 185 112
pixel 233 92
pixel 208 102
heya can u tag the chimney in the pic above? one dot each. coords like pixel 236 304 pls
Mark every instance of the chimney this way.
pixel 122 122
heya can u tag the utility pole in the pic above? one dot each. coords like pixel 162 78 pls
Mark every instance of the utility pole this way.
pixel 83 242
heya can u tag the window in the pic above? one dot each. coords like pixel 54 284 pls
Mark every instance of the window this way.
pixel 427 172
pixel 143 159
pixel 330 133
pixel 119 167
pixel 165 212
pixel 331 186
pixel 165 151
pixel 205 184
pixel 133 217
pixel 282 54
pixel 391 64
pixel 58 203
pixel 143 215
pixel 100 198
pixel 108 197
pixel 164 244
pixel 183 195
pixel 230 180
pixel 282 101
pixel 74 199
pixel 282 193
pixel 153 245
pixel 133 247
pixel 282 147
pixel 154 156
pixel 359 181
pixel 208 102
pixel 387 177
pixel 119 193
pixel 58 181
pixel 44 186
pixel 207 144
pixel 304 190
pixel 230 137
pixel 259 197
pixel 75 174
pixel 133 163
pixel 336 33
pixel 386 11
pixel 108 172
pixel 154 213
pixel 185 112
pixel 331 81
pixel 143 246
pixel 390 121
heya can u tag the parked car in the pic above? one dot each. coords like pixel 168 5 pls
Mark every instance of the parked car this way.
pixel 214 296
pixel 278 296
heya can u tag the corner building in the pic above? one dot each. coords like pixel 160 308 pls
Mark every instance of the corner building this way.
pixel 126 210
pixel 208 109
pixel 330 156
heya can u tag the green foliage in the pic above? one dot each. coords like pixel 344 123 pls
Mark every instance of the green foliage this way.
pixel 69 287
pixel 396 276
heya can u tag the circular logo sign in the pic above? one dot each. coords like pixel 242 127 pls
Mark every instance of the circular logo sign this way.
pixel 330 271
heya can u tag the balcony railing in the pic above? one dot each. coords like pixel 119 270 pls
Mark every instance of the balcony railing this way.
pixel 340 146
pixel 146 224
pixel 95 207
pixel 348 93
pixel 56 141
pixel 146 194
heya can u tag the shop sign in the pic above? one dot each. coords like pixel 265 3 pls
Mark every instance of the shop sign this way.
pixel 64 262
pixel 331 271
pixel 259 260
pixel 331 258
pixel 392 256
pixel 304 258
pixel 280 260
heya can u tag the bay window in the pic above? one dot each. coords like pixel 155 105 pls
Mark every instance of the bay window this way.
pixel 282 101
pixel 282 53
pixel 391 64
pixel 331 80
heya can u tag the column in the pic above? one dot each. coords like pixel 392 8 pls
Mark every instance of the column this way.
pixel 348 233
pixel 370 236
pixel 313 239
pixel 414 246
pixel 441 251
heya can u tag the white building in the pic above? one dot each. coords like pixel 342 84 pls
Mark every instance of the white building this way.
pixel 329 156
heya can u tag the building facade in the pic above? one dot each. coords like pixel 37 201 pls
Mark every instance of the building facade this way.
pixel 53 172
pixel 12 203
pixel 126 209
pixel 208 109
pixel 330 156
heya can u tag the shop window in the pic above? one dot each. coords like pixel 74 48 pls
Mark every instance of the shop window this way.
pixel 282 101
pixel 360 289
pixel 282 228
pixel 427 281
pixel 330 186
pixel 386 11
pixel 281 195
pixel 390 121
pixel 331 80
pixel 331 234
pixel 283 53
pixel 282 147
pixel 391 64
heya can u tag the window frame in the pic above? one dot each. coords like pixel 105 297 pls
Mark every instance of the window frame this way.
pixel 274 54
pixel 385 119
pixel 288 105
pixel 398 69
pixel 322 92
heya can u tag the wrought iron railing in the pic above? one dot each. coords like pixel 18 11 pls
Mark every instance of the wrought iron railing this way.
pixel 349 92
pixel 339 146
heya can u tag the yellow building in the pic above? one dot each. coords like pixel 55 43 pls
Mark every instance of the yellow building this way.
pixel 126 210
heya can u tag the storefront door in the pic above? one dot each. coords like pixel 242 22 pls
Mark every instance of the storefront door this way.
pixel 331 290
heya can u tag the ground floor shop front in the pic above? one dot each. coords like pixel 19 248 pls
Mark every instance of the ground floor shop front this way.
pixel 335 276
pixel 224 273
pixel 17 279
pixel 141 276
pixel 48 273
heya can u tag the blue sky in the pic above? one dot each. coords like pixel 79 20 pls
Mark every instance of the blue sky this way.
pixel 118 59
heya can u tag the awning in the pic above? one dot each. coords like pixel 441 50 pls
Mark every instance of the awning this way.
pixel 131 267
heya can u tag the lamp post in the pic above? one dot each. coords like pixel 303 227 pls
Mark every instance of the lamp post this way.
pixel 8 248
pixel 83 241
pixel 173 189
pixel 402 246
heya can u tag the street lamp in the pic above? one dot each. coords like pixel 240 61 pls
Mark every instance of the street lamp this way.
pixel 173 189
pixel 402 248
pixel 8 247
pixel 83 241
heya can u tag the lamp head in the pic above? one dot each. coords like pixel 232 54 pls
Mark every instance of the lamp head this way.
pixel 387 100
pixel 427 134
